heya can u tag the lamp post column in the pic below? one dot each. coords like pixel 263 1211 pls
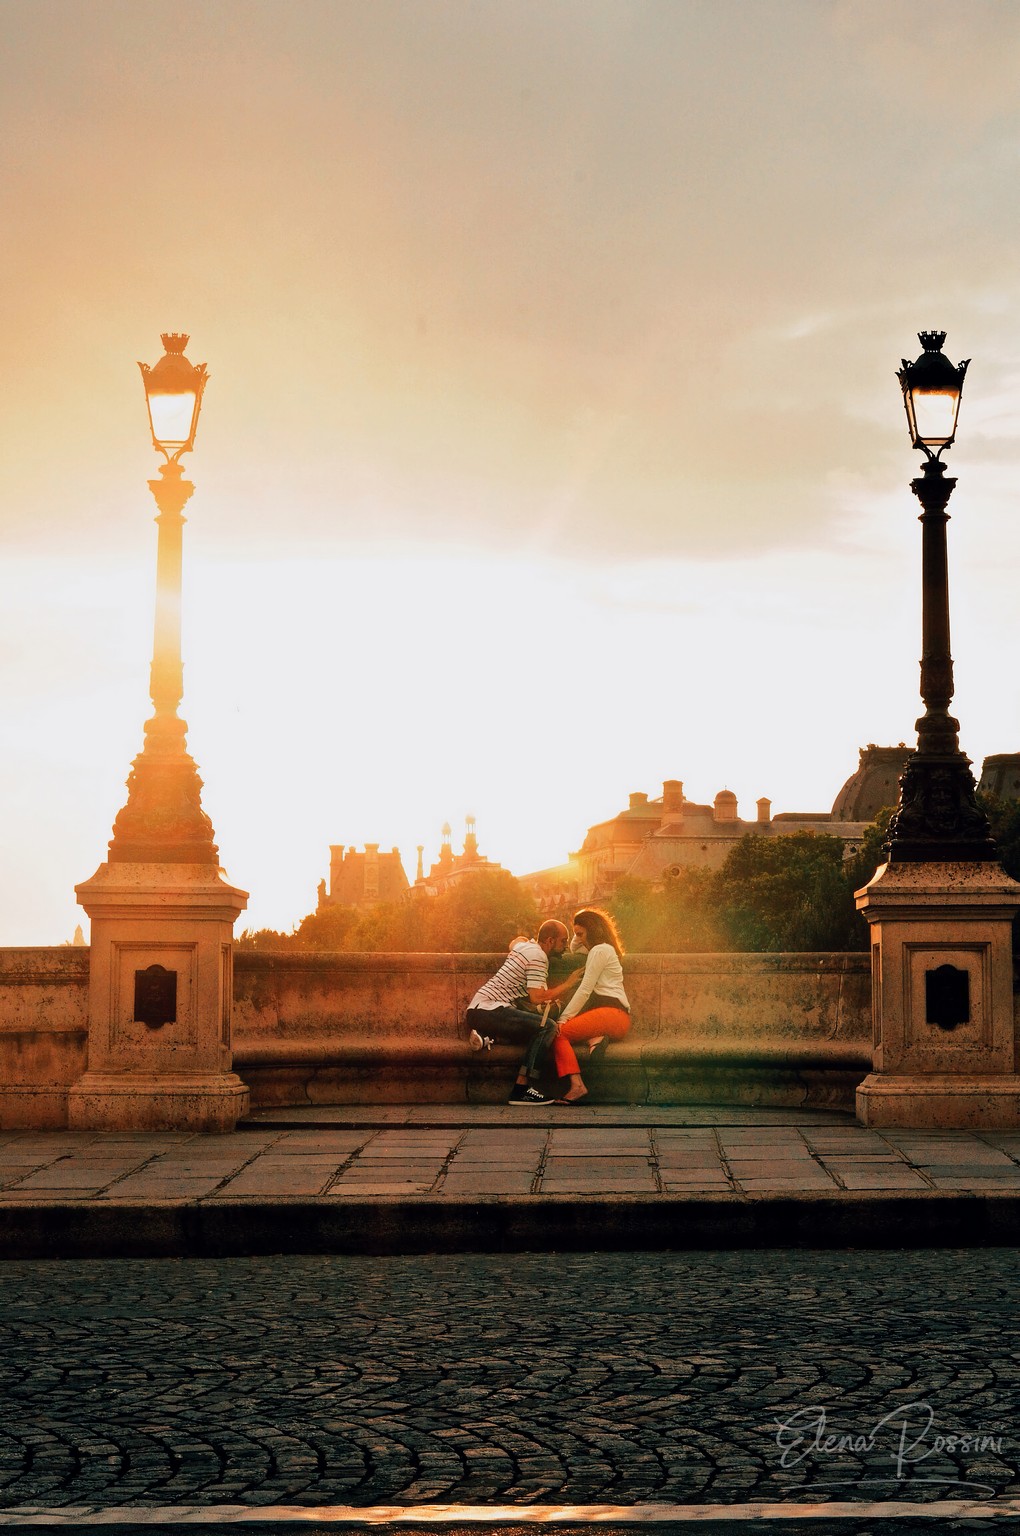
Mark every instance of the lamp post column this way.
pixel 938 817
pixel 937 731
pixel 166 677
pixel 162 820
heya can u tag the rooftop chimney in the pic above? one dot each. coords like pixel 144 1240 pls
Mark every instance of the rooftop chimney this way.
pixel 672 798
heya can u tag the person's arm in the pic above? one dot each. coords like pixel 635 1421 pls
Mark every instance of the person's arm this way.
pixel 598 959
pixel 536 979
pixel 550 994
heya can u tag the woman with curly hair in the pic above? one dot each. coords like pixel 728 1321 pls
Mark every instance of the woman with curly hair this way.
pixel 599 1011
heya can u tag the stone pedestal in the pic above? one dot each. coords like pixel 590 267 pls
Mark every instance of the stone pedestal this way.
pixel 945 1048
pixel 160 998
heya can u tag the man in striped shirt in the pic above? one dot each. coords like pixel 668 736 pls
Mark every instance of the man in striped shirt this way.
pixel 495 1008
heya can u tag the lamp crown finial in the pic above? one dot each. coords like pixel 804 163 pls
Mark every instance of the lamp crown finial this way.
pixel 176 341
pixel 931 341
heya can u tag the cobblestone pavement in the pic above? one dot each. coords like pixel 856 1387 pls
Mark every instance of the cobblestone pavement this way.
pixel 617 1378
pixel 822 1154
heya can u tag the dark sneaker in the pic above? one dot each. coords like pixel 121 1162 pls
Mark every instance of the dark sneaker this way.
pixel 521 1095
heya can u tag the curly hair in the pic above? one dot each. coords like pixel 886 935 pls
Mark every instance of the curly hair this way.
pixel 599 928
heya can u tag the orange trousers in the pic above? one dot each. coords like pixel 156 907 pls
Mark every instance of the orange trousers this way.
pixel 613 1022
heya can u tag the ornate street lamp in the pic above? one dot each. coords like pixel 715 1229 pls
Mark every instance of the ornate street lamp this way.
pixel 163 820
pixel 937 818
pixel 163 914
pixel 173 394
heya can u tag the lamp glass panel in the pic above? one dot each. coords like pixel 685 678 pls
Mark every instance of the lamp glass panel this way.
pixel 172 416
pixel 935 415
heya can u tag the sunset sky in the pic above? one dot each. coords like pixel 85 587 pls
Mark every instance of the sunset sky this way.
pixel 552 445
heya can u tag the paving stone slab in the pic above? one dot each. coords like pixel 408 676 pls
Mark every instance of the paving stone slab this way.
pixel 879 1177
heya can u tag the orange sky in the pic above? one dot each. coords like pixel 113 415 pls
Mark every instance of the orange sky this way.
pixel 550 344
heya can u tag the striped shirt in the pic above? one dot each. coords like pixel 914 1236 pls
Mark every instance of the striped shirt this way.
pixel 525 968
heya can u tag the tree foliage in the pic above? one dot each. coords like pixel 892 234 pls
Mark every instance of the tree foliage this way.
pixel 480 913
pixel 678 916
pixel 1004 818
pixel 786 893
pixel 791 893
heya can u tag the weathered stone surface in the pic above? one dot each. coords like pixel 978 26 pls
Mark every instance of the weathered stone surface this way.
pixel 159 1059
pixel 375 1029
pixel 942 1058
pixel 43 1032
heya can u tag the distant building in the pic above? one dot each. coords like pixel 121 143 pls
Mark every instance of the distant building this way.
pixel 362 879
pixel 648 840
pixel 451 868
pixel 654 838
pixel 1000 775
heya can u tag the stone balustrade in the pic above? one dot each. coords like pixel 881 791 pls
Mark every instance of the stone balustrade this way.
pixel 387 1028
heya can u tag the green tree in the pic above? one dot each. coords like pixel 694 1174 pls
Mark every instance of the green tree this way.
pixel 1004 819
pixel 326 929
pixel 677 915
pixel 482 912
pixel 863 863
pixel 392 927
pixel 787 893
pixel 264 940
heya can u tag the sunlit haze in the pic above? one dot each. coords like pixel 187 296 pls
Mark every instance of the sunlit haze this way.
pixel 552 446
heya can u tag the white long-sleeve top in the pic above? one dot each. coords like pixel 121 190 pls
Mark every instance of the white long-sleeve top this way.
pixel 603 973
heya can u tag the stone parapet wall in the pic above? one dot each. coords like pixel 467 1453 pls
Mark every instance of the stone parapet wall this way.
pixel 746 1029
pixel 44 998
pixel 388 1028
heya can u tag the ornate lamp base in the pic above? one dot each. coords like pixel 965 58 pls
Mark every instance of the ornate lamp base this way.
pixel 945 1038
pixel 938 817
pixel 160 999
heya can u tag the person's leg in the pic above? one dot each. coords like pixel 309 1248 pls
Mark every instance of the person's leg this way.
pixel 564 1056
pixel 512 1026
pixel 612 1023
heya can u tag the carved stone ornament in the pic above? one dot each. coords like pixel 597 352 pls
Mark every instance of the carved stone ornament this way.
pixel 163 821
pixel 938 817
pixel 937 681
